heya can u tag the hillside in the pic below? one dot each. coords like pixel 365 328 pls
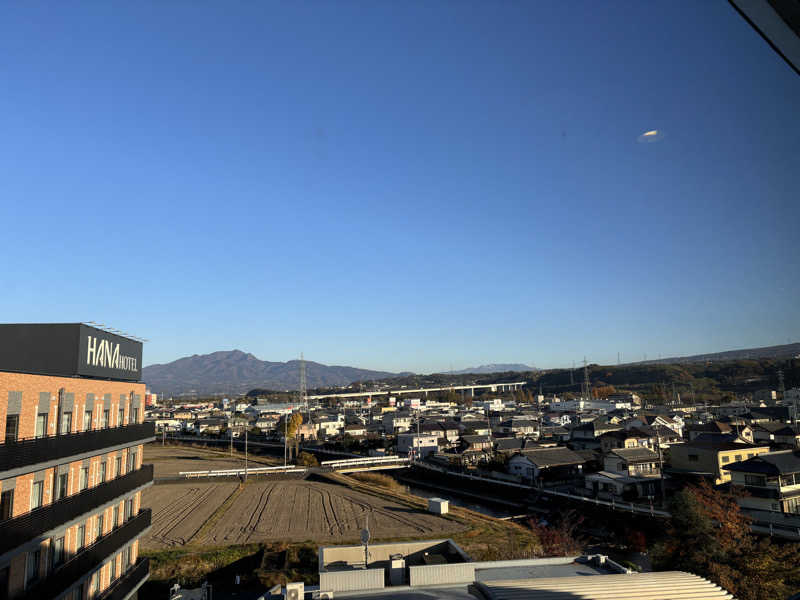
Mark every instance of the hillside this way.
pixel 235 371
pixel 494 368
pixel 774 352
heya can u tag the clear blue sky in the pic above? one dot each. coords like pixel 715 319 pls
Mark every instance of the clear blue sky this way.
pixel 400 185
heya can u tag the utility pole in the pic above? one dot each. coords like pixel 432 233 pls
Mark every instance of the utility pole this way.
pixel 660 465
pixel 245 454
pixel 285 434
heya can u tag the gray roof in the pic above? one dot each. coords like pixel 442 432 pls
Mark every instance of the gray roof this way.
pixel 635 454
pixel 552 457
pixel 658 586
pixel 772 463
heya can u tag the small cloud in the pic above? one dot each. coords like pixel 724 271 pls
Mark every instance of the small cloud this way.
pixel 648 137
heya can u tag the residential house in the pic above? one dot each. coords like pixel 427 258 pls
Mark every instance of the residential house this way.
pixel 708 459
pixel 772 482
pixel 586 436
pixel 625 438
pixel 778 434
pixel 355 430
pixel 718 427
pixel 634 462
pixel 520 426
pixel 209 426
pixel 546 467
pixel 421 445
pixel 397 422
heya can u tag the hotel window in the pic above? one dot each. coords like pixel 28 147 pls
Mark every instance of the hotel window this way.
pixel 37 494
pixel 41 425
pixel 57 552
pixel 105 424
pixel 98 526
pixel 134 415
pixel 66 423
pixel 84 480
pixel 726 459
pixel 738 457
pixel 95 587
pixel 87 420
pixel 112 569
pixel 6 505
pixel 103 466
pixel 121 417
pixel 126 557
pixel 118 463
pixel 62 486
pixel 12 428
pixel 128 508
pixel 115 518
pixel 32 566
pixel 80 542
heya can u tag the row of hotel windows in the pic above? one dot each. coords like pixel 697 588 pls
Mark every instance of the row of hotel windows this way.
pixel 62 485
pixel 65 426
pixel 57 556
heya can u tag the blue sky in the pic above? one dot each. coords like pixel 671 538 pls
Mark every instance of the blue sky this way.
pixel 400 185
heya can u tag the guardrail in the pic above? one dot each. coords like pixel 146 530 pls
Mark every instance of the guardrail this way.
pixel 367 460
pixel 235 472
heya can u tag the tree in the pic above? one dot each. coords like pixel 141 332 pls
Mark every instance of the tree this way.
pixel 708 535
pixel 307 459
pixel 560 539
pixel 295 420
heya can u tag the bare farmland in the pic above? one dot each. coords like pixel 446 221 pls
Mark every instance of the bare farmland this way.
pixel 180 510
pixel 280 510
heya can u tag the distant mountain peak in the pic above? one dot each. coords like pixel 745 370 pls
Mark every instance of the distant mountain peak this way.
pixel 236 371
pixel 494 368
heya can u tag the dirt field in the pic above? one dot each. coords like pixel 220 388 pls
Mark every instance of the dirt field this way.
pixel 168 461
pixel 180 510
pixel 281 510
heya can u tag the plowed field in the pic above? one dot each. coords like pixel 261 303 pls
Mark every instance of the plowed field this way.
pixel 279 510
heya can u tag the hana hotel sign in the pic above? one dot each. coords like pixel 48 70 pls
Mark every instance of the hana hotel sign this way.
pixel 69 349
pixel 103 354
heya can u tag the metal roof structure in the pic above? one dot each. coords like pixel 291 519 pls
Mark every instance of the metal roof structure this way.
pixel 665 585
pixel 772 463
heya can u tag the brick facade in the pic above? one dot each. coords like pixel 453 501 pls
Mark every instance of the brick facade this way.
pixel 58 397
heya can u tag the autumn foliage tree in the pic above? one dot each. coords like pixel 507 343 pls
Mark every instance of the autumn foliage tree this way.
pixel 708 535
pixel 559 539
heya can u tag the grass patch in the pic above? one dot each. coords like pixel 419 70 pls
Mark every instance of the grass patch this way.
pixel 381 480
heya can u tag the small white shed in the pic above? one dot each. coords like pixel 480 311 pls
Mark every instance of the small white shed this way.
pixel 438 506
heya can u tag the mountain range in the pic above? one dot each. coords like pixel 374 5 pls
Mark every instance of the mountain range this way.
pixel 493 368
pixel 234 371
pixel 782 351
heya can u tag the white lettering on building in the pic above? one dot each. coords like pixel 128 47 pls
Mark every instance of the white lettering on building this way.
pixel 106 354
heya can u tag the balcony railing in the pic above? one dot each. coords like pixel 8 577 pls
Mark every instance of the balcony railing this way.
pixel 20 529
pixel 123 586
pixel 89 559
pixel 30 452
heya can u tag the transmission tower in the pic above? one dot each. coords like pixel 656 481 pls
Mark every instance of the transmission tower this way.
pixel 586 387
pixel 303 395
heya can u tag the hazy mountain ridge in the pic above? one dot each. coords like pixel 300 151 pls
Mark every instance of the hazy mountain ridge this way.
pixel 777 352
pixel 493 368
pixel 235 371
